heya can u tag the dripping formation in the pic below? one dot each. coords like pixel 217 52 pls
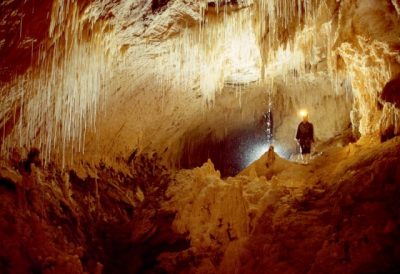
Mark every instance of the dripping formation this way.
pixel 135 136
pixel 264 41
pixel 57 100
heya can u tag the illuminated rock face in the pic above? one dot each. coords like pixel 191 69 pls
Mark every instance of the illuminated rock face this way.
pixel 371 56
pixel 107 78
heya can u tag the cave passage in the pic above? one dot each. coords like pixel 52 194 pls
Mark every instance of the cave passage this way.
pixel 231 154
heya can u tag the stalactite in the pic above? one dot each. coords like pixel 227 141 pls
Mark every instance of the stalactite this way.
pixel 59 100
pixel 197 48
pixel 208 55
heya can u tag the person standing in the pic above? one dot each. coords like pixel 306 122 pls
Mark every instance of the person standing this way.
pixel 305 137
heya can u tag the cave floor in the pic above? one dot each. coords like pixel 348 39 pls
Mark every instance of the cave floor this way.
pixel 338 214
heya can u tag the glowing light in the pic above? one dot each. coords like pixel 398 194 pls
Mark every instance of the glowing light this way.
pixel 255 152
pixel 303 113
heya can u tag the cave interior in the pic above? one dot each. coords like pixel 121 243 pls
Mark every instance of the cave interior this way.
pixel 158 136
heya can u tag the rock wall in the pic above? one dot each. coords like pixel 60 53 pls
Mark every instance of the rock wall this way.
pixel 368 43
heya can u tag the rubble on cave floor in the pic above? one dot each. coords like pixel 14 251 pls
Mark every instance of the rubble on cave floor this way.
pixel 337 214
pixel 91 219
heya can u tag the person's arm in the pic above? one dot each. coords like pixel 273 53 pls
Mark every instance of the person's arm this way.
pixel 312 133
pixel 298 133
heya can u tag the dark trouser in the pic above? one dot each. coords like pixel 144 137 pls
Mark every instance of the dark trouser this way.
pixel 305 146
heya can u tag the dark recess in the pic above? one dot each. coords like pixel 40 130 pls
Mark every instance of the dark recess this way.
pixel 158 5
pixel 391 92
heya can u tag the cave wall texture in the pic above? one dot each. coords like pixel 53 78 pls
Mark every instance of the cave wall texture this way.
pixel 107 78
pixel 98 86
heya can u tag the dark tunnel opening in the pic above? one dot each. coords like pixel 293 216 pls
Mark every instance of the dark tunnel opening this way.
pixel 232 154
